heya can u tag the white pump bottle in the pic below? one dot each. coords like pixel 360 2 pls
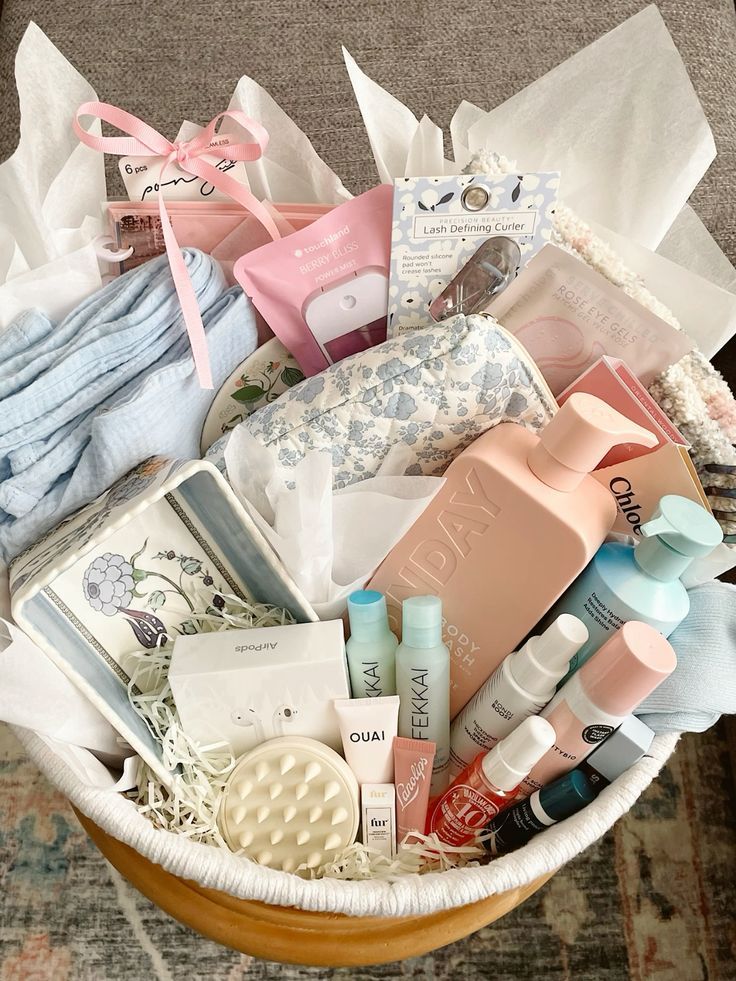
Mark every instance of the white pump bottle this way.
pixel 521 686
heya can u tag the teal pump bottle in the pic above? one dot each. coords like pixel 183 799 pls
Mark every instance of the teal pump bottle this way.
pixel 371 649
pixel 641 582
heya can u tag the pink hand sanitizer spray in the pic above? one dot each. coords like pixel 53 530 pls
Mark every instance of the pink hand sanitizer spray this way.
pixel 518 518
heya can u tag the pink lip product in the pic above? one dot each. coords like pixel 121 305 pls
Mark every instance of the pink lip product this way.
pixel 599 697
pixel 413 760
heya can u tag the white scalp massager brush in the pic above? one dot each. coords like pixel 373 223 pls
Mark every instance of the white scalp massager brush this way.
pixel 290 802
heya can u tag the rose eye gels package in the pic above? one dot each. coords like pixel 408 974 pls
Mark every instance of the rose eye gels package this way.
pixel 324 290
pixel 567 316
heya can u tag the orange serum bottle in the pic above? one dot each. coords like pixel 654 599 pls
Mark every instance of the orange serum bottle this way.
pixel 490 783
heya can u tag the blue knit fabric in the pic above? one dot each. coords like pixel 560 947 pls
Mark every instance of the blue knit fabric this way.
pixel 703 685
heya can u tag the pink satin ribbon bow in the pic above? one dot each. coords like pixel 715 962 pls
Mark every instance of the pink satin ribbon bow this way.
pixel 144 140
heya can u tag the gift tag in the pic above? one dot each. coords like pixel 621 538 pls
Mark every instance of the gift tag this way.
pixel 141 174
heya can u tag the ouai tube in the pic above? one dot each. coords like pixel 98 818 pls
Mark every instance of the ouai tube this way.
pixel 490 784
pixel 368 727
pixel 412 775
pixel 521 686
pixel 423 682
pixel 599 696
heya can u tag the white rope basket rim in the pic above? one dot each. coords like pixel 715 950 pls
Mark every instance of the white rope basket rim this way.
pixel 217 869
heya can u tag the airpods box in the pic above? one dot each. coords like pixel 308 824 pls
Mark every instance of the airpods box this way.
pixel 246 686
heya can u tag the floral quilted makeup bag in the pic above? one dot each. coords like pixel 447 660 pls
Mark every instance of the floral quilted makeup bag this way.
pixel 426 396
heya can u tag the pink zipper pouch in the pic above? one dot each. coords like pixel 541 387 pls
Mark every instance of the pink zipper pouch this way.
pixel 324 289
pixel 222 229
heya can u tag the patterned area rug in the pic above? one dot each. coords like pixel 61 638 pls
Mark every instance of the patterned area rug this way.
pixel 653 900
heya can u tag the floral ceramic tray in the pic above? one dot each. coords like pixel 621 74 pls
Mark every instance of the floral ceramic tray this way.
pixel 258 381
pixel 167 539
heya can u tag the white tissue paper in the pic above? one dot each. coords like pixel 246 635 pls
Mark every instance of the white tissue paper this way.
pixel 330 543
pixel 35 694
pixel 291 170
pixel 645 163
pixel 621 122
pixel 628 162
pixel 50 190
pixel 52 187
pixel 402 145
pixel 91 771
pixel 706 311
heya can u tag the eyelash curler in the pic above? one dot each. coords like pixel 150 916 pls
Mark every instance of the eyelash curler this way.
pixel 486 273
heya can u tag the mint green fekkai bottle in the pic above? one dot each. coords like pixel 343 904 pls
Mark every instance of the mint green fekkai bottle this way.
pixel 641 582
pixel 371 649
pixel 423 682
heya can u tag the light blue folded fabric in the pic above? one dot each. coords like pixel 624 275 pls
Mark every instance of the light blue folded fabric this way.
pixel 28 329
pixel 703 685
pixel 131 379
pixel 109 339
pixel 25 456
pixel 21 493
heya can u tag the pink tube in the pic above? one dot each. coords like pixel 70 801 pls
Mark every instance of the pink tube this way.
pixel 412 773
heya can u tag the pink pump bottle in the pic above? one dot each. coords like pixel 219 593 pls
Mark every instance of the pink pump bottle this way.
pixel 517 519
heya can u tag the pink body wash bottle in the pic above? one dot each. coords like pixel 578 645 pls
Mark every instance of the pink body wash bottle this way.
pixel 517 519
